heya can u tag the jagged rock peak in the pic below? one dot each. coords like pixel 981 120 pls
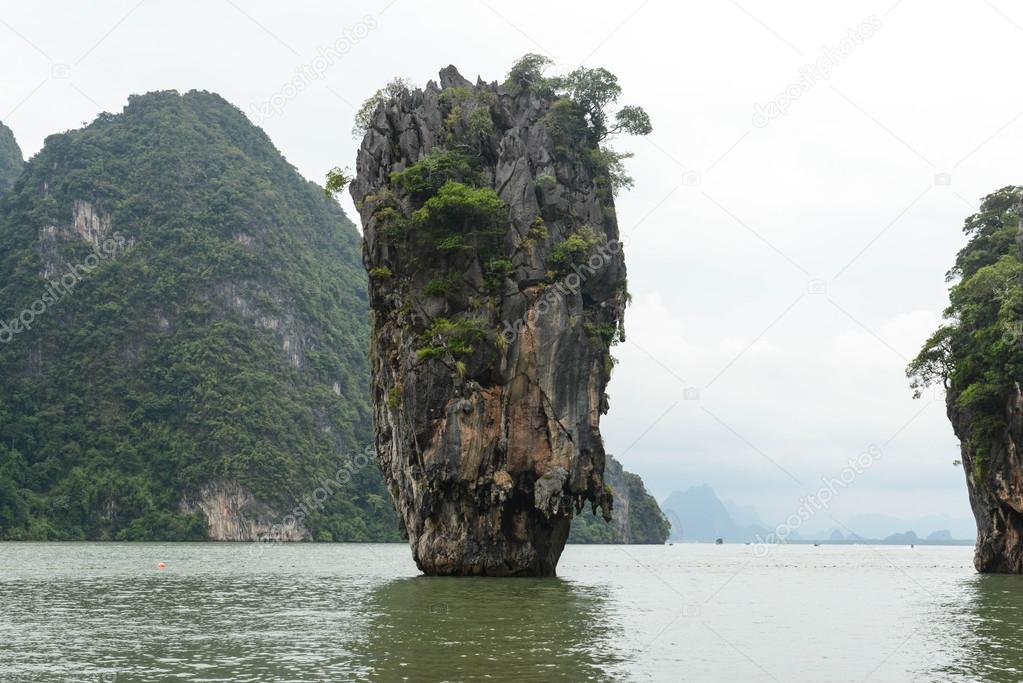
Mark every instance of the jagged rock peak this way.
pixel 497 285
pixel 450 78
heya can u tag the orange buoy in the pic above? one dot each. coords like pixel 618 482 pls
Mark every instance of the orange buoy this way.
pixel 162 565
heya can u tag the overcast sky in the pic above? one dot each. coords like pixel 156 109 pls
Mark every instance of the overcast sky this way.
pixel 785 263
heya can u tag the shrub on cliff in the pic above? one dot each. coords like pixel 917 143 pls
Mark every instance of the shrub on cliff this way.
pixel 581 113
pixel 473 214
pixel 425 177
pixel 395 88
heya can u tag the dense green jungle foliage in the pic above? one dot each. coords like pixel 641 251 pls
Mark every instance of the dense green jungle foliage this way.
pixel 220 335
pixel 978 353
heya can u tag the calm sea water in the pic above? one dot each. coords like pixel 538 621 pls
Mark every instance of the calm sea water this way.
pixel 218 612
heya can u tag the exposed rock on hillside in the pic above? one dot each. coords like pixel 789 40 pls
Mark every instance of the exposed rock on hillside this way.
pixel 995 481
pixel 497 285
pixel 233 514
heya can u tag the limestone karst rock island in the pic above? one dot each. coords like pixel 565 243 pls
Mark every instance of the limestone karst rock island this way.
pixel 978 355
pixel 497 286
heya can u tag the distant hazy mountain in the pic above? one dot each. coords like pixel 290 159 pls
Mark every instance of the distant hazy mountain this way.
pixel 697 514
pixel 743 515
pixel 881 526
pixel 904 537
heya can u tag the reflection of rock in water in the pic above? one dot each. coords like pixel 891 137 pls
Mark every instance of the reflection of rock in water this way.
pixel 447 629
pixel 983 627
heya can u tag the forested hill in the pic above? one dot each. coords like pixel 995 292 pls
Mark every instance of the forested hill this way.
pixel 11 161
pixel 183 326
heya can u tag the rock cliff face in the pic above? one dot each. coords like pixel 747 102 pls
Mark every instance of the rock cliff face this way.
pixel 233 514
pixel 497 285
pixel 11 161
pixel 637 518
pixel 994 477
pixel 979 357
pixel 995 481
pixel 614 478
